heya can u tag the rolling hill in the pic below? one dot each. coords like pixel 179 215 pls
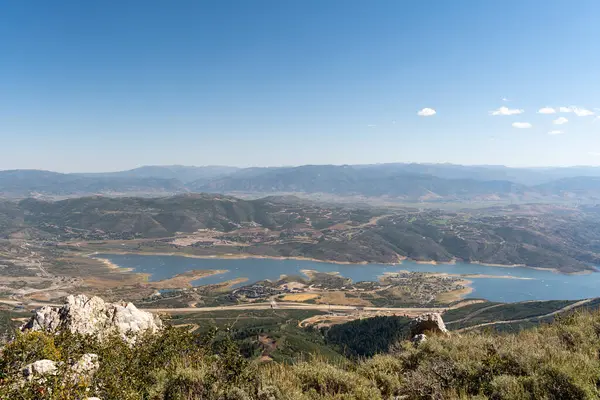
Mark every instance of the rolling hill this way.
pixel 34 183
pixel 565 238
pixel 390 182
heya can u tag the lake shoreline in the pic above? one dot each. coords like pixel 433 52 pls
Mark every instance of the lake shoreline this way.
pixel 251 256
pixel 494 284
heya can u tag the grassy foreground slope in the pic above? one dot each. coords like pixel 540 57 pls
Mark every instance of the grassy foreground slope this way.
pixel 554 361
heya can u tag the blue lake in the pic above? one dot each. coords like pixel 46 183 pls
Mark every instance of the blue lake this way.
pixel 543 285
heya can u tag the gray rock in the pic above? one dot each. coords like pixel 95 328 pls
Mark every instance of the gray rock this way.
pixel 39 369
pixel 86 366
pixel 93 316
pixel 418 339
pixel 429 322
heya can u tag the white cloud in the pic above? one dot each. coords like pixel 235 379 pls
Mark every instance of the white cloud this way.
pixel 426 112
pixel 522 125
pixel 579 111
pixel 546 110
pixel 556 132
pixel 505 99
pixel 371 126
pixel 506 111
pixel 582 112
pixel 560 121
pixel 594 153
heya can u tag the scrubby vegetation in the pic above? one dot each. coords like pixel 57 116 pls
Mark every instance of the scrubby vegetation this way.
pixel 554 361
pixel 367 337
pixel 486 312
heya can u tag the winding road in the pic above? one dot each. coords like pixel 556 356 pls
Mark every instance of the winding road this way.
pixel 332 307
pixel 256 306
pixel 512 321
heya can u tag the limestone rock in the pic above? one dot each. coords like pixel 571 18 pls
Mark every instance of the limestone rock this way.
pixel 87 365
pixel 418 339
pixel 93 316
pixel 39 369
pixel 429 322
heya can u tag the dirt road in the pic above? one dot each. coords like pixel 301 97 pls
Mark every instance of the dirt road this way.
pixel 256 306
pixel 292 306
pixel 562 310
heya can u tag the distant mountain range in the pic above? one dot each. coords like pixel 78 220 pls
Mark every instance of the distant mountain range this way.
pixel 394 182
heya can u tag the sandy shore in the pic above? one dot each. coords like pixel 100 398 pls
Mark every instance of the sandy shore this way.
pixel 455 295
pixel 310 273
pixel 177 281
pixel 230 257
pixel 110 265
pixel 494 276
pixel 185 279
pixel 401 260
pixel 386 274
pixel 555 270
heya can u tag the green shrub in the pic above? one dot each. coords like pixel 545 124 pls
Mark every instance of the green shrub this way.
pixel 505 387
pixel 27 348
pixel 322 380
pixel 385 372
pixel 556 361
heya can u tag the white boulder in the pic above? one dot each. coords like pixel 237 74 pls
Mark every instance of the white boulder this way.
pixel 39 369
pixel 87 365
pixel 93 316
pixel 418 339
pixel 429 322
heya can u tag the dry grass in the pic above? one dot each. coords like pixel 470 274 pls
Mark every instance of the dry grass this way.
pixel 340 298
pixel 300 297
pixel 454 295
pixel 556 361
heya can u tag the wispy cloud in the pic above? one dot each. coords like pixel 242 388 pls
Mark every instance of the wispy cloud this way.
pixel 556 132
pixel 560 121
pixel 506 111
pixel 505 99
pixel 579 111
pixel 546 110
pixel 371 126
pixel 582 112
pixel 594 153
pixel 522 125
pixel 426 112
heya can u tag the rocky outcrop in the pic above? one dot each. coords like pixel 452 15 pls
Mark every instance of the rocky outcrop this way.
pixel 83 369
pixel 418 339
pixel 429 322
pixel 93 316
pixel 39 369
pixel 86 366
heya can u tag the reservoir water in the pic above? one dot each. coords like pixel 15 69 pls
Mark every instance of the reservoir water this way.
pixel 541 285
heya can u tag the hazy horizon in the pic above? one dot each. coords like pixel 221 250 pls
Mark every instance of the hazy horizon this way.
pixel 302 165
pixel 99 87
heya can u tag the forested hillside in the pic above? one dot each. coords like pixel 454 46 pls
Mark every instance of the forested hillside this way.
pixel 566 238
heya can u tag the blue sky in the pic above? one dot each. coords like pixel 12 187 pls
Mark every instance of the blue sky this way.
pixel 111 85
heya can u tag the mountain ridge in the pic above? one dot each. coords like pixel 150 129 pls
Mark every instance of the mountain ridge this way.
pixel 394 182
